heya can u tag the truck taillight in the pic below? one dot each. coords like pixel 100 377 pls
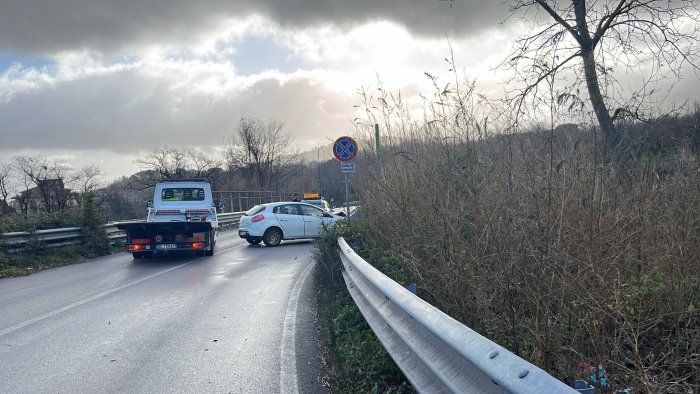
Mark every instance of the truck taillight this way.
pixel 133 248
pixel 199 245
pixel 167 211
pixel 257 218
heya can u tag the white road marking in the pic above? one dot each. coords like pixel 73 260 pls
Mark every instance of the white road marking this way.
pixel 289 382
pixel 97 296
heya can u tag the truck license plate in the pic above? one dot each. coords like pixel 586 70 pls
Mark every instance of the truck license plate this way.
pixel 166 246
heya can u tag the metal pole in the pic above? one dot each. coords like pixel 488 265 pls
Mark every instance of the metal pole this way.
pixel 379 153
pixel 347 196
pixel 318 158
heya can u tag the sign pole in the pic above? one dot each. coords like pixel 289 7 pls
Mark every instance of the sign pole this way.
pixel 347 196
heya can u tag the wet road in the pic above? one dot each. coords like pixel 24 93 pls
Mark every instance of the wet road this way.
pixel 241 321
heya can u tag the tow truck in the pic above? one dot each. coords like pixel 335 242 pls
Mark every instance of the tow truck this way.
pixel 181 218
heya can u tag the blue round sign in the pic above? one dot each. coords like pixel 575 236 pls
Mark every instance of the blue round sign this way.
pixel 345 148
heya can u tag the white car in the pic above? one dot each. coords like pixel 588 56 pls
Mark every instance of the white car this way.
pixel 271 223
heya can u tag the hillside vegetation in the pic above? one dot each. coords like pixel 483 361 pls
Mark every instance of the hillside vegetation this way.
pixel 580 254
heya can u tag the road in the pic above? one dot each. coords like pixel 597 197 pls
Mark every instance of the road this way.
pixel 241 321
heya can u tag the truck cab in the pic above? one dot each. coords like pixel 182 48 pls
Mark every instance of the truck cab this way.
pixel 183 200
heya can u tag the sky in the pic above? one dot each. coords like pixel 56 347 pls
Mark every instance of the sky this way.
pixel 104 81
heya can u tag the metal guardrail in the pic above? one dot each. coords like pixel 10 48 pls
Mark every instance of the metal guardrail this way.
pixel 437 353
pixel 72 235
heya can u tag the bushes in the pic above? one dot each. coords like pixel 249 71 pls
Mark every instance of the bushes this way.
pixel 95 241
pixel 357 360
pixel 35 255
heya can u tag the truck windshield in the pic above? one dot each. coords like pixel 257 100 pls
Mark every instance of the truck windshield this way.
pixel 182 194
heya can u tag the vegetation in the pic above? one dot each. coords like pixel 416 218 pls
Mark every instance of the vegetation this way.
pixel 572 250
pixel 35 255
pixel 355 359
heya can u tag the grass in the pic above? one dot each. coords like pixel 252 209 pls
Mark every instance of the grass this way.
pixel 24 263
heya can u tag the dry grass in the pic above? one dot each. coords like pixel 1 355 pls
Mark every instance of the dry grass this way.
pixel 564 248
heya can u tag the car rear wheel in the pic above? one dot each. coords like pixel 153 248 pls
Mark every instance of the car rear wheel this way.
pixel 272 237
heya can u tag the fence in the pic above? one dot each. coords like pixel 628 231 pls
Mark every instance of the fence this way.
pixel 437 353
pixel 72 235
pixel 242 201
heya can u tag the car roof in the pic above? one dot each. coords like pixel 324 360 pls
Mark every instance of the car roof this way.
pixel 274 204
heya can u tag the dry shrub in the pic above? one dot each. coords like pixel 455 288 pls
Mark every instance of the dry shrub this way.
pixel 564 248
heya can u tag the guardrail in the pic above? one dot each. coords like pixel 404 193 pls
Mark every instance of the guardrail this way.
pixel 72 235
pixel 437 353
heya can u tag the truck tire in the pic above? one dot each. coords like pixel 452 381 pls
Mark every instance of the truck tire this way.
pixel 142 255
pixel 272 237
pixel 210 252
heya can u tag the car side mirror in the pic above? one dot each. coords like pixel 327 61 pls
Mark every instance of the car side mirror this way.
pixel 149 203
pixel 220 204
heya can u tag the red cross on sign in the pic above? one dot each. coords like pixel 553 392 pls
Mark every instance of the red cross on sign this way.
pixel 345 148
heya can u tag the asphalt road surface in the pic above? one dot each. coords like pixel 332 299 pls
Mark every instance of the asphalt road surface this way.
pixel 241 321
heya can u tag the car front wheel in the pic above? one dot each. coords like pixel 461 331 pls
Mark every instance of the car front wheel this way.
pixel 272 237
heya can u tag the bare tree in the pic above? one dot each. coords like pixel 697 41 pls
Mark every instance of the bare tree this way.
pixel 87 179
pixel 261 152
pixel 5 182
pixel 167 162
pixel 585 42
pixel 48 177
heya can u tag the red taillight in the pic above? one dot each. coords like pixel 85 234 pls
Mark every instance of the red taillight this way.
pixel 257 218
pixel 133 248
pixel 199 245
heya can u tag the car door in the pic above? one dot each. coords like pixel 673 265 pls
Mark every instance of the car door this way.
pixel 290 219
pixel 313 220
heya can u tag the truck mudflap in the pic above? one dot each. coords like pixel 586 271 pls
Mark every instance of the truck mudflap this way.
pixel 147 238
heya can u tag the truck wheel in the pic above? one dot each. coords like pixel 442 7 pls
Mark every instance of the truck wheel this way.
pixel 272 237
pixel 212 240
pixel 137 255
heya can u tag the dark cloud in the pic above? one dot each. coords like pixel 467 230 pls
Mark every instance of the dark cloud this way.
pixel 126 111
pixel 47 26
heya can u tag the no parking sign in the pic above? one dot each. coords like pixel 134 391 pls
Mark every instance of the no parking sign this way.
pixel 345 148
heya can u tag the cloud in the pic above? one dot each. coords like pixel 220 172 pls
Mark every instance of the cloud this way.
pixel 49 26
pixel 127 108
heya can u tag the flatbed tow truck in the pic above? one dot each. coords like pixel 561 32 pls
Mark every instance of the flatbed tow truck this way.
pixel 181 218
